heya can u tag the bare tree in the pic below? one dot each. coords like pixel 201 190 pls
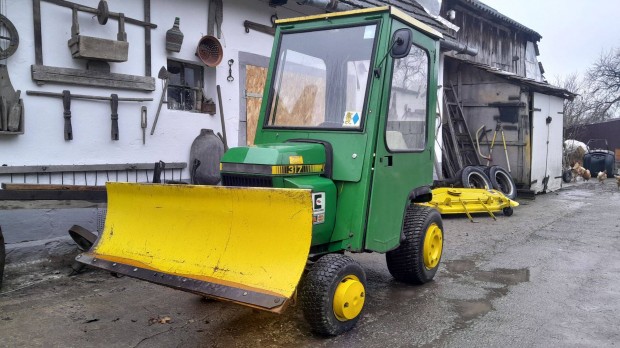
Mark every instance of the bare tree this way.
pixel 604 79
pixel 598 94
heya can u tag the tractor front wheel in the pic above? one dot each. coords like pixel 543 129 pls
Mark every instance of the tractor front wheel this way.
pixel 332 294
pixel 416 259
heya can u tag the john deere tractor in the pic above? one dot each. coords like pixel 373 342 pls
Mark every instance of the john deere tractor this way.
pixel 343 154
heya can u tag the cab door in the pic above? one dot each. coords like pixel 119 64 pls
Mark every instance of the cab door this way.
pixel 405 140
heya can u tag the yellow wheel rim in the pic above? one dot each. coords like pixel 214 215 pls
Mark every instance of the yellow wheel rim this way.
pixel 349 298
pixel 433 245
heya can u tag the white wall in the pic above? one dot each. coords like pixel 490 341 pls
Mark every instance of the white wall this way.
pixel 43 142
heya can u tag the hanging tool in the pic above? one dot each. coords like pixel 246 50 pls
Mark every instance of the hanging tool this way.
pixel 259 27
pixel 164 76
pixel 159 167
pixel 66 104
pixel 114 106
pixel 230 78
pixel 498 128
pixel 219 100
pixel 143 122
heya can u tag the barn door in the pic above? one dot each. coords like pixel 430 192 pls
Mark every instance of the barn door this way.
pixel 547 125
pixel 254 85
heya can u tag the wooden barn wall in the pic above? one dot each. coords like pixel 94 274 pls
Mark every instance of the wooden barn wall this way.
pixel 478 90
pixel 498 46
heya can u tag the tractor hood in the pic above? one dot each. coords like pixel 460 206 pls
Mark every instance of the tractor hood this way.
pixel 275 159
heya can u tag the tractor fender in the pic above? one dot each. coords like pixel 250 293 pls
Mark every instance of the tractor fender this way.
pixel 421 194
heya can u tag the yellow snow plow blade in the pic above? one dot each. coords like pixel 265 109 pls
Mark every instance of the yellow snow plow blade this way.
pixel 449 200
pixel 246 245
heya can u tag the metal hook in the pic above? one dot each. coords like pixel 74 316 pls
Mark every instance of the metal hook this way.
pixel 230 78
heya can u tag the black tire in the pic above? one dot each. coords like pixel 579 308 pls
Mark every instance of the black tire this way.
pixel 317 291
pixel 474 177
pixel 508 211
pixel 406 263
pixel 567 175
pixel 502 181
pixel 2 256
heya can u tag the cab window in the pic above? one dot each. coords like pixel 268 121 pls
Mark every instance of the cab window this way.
pixel 406 121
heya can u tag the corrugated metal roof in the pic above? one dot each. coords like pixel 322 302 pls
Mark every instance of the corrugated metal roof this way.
pixel 536 86
pixel 411 7
pixel 484 8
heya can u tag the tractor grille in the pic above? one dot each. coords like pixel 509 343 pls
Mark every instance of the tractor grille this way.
pixel 246 180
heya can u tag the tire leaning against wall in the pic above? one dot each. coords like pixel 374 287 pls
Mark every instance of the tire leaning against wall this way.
pixel 473 177
pixel 502 181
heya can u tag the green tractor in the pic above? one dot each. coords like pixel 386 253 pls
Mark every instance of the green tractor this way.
pixel 344 151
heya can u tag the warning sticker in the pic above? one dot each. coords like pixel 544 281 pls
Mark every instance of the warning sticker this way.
pixel 318 202
pixel 351 119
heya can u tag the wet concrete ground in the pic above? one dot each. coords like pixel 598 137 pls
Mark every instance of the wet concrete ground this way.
pixel 549 276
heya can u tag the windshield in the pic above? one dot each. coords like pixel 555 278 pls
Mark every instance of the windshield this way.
pixel 321 78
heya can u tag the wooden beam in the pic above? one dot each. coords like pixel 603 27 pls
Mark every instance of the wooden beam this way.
pixel 147 39
pixel 42 74
pixel 94 11
pixel 38 44
pixel 31 195
pixel 87 97
pixel 86 168
pixel 46 187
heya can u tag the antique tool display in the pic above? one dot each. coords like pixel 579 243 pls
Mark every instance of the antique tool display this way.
pixel 66 104
pixel 143 122
pixel 66 99
pixel 174 37
pixel 11 105
pixel 230 78
pixel 94 49
pixel 164 76
pixel 13 37
pixel 219 100
pixel 114 116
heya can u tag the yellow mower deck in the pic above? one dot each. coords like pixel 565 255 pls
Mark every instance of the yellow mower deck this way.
pixel 469 200
pixel 246 245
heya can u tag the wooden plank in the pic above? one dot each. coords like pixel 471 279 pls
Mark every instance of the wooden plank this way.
pixel 49 204
pixel 147 39
pixel 43 187
pixel 86 168
pixel 42 73
pixel 38 44
pixel 29 195
pixel 82 96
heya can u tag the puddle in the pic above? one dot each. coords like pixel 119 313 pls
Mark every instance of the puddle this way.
pixel 493 284
pixel 469 310
pixel 504 276
pixel 460 266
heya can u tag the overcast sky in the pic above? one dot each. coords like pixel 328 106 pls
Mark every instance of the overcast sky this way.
pixel 574 32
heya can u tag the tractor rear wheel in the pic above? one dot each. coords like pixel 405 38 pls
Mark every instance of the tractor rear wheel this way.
pixel 417 258
pixel 332 294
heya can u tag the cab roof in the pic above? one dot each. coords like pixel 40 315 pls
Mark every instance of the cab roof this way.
pixel 394 12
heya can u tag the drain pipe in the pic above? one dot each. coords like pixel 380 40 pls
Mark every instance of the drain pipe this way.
pixel 449 45
pixel 327 5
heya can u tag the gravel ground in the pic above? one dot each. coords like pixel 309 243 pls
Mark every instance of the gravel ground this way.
pixel 548 276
